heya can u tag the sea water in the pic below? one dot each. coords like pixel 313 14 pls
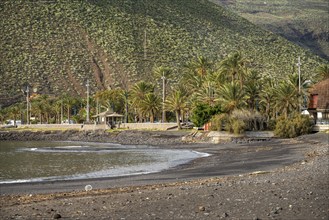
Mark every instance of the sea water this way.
pixel 51 161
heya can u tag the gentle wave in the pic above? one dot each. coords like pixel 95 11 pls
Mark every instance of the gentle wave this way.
pixel 171 158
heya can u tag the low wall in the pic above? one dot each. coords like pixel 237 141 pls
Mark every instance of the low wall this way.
pixel 52 126
pixel 132 126
pixel 319 127
pixel 221 136
pixel 150 126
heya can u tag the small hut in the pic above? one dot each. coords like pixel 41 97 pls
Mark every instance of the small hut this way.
pixel 112 119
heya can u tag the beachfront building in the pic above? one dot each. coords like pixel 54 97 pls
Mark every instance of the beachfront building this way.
pixel 319 105
pixel 110 118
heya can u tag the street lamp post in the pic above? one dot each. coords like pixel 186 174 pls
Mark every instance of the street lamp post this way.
pixel 27 105
pixel 163 97
pixel 299 64
pixel 87 119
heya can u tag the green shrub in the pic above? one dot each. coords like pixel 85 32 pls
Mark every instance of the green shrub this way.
pixel 202 114
pixel 235 126
pixel 293 126
pixel 238 126
pixel 218 122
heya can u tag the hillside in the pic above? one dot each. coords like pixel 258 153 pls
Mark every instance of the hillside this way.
pixel 303 22
pixel 55 46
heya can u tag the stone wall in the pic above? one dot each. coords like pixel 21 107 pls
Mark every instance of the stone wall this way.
pixel 149 126
pixel 130 126
pixel 221 136
pixel 52 126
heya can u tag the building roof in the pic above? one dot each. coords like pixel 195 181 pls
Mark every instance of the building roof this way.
pixel 108 113
pixel 322 90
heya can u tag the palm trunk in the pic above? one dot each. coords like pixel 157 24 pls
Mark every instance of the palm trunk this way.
pixel 68 114
pixel 178 120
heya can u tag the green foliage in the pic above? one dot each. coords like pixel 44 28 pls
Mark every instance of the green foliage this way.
pixel 218 121
pixel 293 126
pixel 323 71
pixel 238 121
pixel 177 103
pixel 236 126
pixel 56 46
pixel 202 113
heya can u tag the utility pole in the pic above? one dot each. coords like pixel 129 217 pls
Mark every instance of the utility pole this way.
pixel 27 105
pixel 299 64
pixel 163 96
pixel 87 120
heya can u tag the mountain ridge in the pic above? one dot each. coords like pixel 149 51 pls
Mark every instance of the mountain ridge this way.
pixel 57 46
pixel 302 22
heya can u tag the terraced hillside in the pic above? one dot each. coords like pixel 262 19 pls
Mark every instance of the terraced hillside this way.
pixel 56 46
pixel 303 22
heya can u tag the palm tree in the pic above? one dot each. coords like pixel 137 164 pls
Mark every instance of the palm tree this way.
pixel 267 98
pixel 15 112
pixel 232 97
pixel 69 102
pixel 253 89
pixel 37 108
pixel 201 66
pixel 286 98
pixel 234 66
pixel 151 105
pixel 125 94
pixel 138 93
pixel 177 102
pixel 3 115
pixel 302 91
pixel 323 71
pixel 196 72
pixel 206 93
pixel 46 106
pixel 57 107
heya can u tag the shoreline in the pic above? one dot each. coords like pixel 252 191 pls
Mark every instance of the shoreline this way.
pixel 299 165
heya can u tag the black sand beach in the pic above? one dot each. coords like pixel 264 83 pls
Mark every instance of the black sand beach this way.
pixel 276 179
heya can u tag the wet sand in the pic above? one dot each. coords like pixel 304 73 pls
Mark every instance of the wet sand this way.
pixel 278 179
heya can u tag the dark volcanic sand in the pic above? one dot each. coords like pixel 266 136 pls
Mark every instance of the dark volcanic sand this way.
pixel 293 184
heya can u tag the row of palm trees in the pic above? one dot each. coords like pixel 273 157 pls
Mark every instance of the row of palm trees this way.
pixel 231 84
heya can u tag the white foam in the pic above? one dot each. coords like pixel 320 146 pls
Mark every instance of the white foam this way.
pixel 165 159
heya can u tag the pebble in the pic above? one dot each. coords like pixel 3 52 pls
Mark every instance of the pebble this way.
pixel 202 208
pixel 57 216
pixel 224 215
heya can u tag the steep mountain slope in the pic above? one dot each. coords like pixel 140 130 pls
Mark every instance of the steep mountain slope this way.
pixel 55 46
pixel 303 22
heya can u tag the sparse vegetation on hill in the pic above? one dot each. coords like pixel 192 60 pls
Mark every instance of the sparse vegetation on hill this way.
pixel 56 46
pixel 303 22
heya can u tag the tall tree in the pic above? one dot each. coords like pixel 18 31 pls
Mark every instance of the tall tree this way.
pixel 150 105
pixel 138 93
pixel 286 98
pixel 253 89
pixel 301 88
pixel 267 104
pixel 177 102
pixel 323 71
pixel 15 112
pixel 232 97
pixel 201 66
pixel 69 102
pixel 234 66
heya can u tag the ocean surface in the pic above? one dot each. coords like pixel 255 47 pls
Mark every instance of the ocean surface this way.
pixel 51 161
